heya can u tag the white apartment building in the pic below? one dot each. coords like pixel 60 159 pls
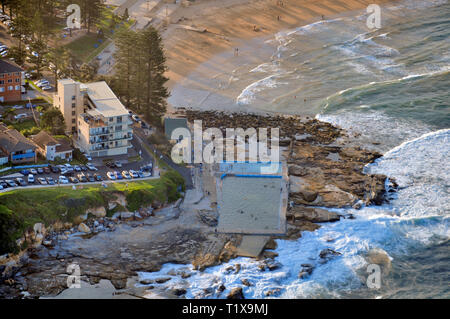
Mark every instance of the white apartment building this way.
pixel 99 122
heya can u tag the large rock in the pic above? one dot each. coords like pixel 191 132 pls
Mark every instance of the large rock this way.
pixel 97 211
pixel 381 258
pixel 236 293
pixel 315 215
pixel 39 228
pixel 328 253
pixel 84 228
pixel 126 216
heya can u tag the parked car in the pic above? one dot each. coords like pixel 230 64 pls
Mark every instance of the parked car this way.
pixel 67 172
pixel 74 180
pixel 111 175
pixel 134 174
pixel 141 175
pixel 118 164
pixel 20 181
pixel 3 184
pixel 47 88
pixel 77 168
pixel 30 178
pixel 50 181
pixel 47 170
pixel 90 177
pixel 82 178
pixel 55 169
pixel 118 175
pixel 63 180
pixel 91 167
pixel 87 157
pixel 126 175
pixel 83 168
pixel 25 172
pixel 145 173
pixel 42 181
pixel 98 177
pixel 40 170
pixel 33 171
pixel 11 183
pixel 21 116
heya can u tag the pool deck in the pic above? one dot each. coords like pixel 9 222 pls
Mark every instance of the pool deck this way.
pixel 252 203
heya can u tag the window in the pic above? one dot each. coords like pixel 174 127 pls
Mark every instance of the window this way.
pixel 73 97
pixel 118 128
pixel 73 121
pixel 73 105
pixel 18 73
pixel 119 119
pixel 17 80
pixel 10 88
pixel 1 76
pixel 111 119
pixel 73 113
pixel 2 81
pixel 2 89
pixel 17 87
pixel 9 80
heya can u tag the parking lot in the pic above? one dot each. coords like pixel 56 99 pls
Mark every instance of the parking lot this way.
pixel 78 171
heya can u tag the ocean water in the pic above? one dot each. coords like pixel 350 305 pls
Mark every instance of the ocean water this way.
pixel 390 86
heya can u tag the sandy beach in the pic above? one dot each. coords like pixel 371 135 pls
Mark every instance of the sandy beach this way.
pixel 215 29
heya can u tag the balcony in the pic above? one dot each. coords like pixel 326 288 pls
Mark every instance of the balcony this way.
pixel 99 132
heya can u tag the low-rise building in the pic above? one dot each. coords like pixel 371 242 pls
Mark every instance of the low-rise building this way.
pixel 3 158
pixel 52 148
pixel 12 77
pixel 16 146
pixel 98 121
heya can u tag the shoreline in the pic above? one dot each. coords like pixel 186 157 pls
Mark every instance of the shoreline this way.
pixel 241 26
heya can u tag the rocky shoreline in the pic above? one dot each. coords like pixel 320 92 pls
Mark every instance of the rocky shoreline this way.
pixel 324 172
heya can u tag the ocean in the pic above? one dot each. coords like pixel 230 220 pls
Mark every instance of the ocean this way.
pixel 390 89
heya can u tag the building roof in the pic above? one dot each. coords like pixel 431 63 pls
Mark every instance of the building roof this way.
pixel 66 81
pixel 9 67
pixel 64 145
pixel 170 124
pixel 44 139
pixel 12 141
pixel 104 99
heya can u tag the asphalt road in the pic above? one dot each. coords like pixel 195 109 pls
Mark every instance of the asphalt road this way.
pixel 184 171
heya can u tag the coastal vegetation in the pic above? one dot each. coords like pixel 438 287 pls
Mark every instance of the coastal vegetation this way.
pixel 139 79
pixel 21 209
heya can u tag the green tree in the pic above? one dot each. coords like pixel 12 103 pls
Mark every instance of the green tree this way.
pixel 126 15
pixel 18 54
pixel 125 65
pixel 38 50
pixel 53 121
pixel 154 80
pixel 139 73
pixel 60 58
pixel 21 29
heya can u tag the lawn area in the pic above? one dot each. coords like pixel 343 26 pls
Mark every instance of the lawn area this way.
pixel 21 209
pixel 24 125
pixel 87 46
pixel 90 45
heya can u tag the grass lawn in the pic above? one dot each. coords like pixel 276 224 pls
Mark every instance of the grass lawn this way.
pixel 89 46
pixel 24 125
pixel 20 209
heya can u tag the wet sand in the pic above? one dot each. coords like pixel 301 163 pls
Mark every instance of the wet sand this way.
pixel 197 60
